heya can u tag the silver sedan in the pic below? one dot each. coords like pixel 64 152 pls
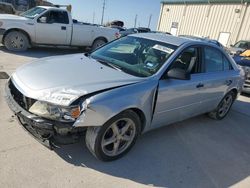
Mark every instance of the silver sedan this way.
pixel 121 90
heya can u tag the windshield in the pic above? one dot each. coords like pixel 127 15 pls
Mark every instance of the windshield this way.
pixel 242 44
pixel 32 13
pixel 136 56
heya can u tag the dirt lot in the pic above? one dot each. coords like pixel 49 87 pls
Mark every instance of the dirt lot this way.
pixel 199 152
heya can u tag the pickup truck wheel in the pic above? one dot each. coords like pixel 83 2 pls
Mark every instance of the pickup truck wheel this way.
pixel 98 43
pixel 224 106
pixel 115 138
pixel 16 41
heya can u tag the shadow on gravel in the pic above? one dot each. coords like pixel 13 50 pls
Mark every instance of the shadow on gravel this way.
pixel 40 52
pixel 199 152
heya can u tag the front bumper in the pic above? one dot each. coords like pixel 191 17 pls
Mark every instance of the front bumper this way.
pixel 48 132
pixel 2 31
pixel 246 86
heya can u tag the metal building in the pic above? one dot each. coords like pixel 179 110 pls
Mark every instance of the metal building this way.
pixel 226 21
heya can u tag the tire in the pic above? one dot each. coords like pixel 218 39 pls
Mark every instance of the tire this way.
pixel 224 107
pixel 16 41
pixel 115 138
pixel 97 44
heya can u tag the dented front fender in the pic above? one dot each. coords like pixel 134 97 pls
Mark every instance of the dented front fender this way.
pixel 103 106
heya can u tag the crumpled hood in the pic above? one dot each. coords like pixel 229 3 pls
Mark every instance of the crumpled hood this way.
pixel 12 17
pixel 69 76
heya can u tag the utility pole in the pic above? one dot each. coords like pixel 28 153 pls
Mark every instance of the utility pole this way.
pixel 103 9
pixel 135 20
pixel 149 21
pixel 93 21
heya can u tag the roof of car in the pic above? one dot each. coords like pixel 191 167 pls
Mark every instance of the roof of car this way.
pixel 49 7
pixel 177 41
pixel 202 39
pixel 243 41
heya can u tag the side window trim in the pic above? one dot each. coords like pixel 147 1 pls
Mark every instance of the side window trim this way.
pixel 229 63
pixel 200 60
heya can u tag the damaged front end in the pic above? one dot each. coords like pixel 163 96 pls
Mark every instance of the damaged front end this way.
pixel 33 115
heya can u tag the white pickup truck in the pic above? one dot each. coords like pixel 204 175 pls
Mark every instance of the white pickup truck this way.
pixel 50 26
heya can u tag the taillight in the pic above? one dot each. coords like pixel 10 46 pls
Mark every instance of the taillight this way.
pixel 117 35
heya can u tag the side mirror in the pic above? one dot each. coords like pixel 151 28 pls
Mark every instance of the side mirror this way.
pixel 179 74
pixel 42 20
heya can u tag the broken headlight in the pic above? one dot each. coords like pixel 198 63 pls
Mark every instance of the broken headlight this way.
pixel 53 112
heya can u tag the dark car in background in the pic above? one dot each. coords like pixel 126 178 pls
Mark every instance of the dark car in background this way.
pixel 243 60
pixel 134 30
pixel 128 32
pixel 239 47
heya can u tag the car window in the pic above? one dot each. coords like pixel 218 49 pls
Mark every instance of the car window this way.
pixel 136 56
pixel 32 13
pixel 188 61
pixel 227 64
pixel 54 17
pixel 213 60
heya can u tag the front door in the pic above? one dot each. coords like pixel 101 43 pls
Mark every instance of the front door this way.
pixel 53 28
pixel 180 99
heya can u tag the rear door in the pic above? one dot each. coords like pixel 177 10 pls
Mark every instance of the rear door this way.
pixel 53 27
pixel 218 75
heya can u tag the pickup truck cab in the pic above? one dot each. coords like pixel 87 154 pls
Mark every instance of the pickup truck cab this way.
pixel 50 26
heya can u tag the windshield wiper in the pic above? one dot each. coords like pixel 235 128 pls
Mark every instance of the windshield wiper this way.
pixel 105 62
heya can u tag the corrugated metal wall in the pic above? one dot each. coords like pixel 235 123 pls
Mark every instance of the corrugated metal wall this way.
pixel 207 20
pixel 245 28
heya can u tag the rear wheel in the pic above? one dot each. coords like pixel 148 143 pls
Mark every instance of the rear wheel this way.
pixel 224 106
pixel 98 43
pixel 16 41
pixel 115 138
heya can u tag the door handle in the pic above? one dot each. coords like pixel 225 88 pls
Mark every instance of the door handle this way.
pixel 63 28
pixel 200 85
pixel 228 82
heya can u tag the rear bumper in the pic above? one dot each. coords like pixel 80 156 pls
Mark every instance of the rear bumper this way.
pixel 48 132
pixel 246 90
pixel 246 86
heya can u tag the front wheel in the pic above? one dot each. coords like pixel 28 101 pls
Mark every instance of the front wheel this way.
pixel 115 138
pixel 224 106
pixel 16 41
